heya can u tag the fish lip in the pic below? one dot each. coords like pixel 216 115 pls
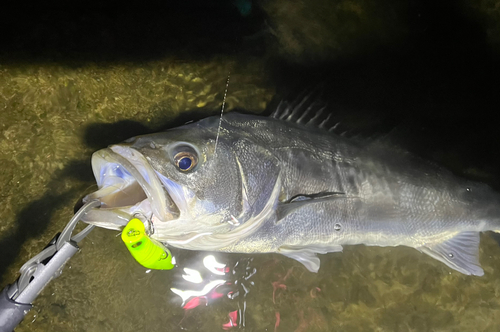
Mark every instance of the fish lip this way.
pixel 137 165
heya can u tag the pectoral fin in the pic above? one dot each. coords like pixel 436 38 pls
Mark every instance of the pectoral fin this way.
pixel 461 253
pixel 307 255
pixel 299 201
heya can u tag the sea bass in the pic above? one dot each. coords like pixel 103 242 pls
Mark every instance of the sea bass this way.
pixel 253 184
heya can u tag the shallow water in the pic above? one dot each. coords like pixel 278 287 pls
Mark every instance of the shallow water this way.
pixel 55 113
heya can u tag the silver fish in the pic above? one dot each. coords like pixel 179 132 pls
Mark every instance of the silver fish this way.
pixel 252 184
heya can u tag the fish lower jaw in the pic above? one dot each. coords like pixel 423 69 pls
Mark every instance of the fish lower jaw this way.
pixel 117 217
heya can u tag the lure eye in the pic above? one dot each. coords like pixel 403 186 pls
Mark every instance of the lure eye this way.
pixel 185 161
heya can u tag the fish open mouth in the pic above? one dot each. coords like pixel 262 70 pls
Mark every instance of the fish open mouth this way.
pixel 128 186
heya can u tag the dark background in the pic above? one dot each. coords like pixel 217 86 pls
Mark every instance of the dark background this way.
pixel 443 74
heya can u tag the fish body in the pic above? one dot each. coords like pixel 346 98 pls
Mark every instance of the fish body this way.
pixel 253 184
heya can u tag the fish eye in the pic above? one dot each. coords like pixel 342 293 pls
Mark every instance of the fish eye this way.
pixel 184 156
pixel 185 161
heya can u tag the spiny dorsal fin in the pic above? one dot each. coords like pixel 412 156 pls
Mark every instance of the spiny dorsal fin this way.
pixel 311 109
pixel 307 109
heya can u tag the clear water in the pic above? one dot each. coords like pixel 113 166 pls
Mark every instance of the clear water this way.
pixel 382 62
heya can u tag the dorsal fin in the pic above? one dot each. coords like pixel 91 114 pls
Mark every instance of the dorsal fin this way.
pixel 307 109
pixel 311 109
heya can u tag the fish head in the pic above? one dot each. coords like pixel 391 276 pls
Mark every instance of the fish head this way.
pixel 201 186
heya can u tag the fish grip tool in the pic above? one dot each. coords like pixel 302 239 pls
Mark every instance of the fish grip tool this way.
pixel 16 299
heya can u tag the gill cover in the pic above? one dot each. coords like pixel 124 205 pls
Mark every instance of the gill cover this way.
pixel 244 188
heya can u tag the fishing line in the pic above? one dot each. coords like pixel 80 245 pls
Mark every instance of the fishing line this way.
pixel 222 112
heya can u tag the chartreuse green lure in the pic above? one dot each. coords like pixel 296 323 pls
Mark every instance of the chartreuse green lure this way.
pixel 148 253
